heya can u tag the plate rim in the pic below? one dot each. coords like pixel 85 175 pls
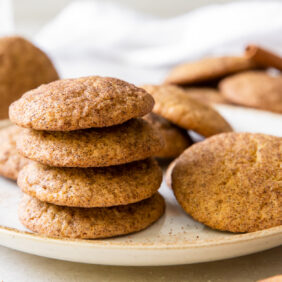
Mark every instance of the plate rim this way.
pixel 102 243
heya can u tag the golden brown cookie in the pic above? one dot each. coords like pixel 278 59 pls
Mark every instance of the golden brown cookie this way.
pixel 176 139
pixel 58 221
pixel 255 89
pixel 206 95
pixel 92 187
pixel 232 181
pixel 96 147
pixel 86 102
pixel 10 161
pixel 22 67
pixel 174 104
pixel 208 69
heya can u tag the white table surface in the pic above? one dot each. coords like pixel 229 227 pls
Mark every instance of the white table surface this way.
pixel 17 266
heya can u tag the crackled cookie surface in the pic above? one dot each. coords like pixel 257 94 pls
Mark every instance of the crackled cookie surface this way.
pixel 173 103
pixel 58 221
pixel 92 187
pixel 254 89
pixel 232 181
pixel 10 161
pixel 96 147
pixel 176 139
pixel 22 67
pixel 208 69
pixel 80 103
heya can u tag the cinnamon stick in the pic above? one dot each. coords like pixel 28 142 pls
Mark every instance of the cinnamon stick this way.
pixel 263 57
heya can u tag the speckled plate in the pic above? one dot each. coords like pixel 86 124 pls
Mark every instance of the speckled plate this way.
pixel 175 239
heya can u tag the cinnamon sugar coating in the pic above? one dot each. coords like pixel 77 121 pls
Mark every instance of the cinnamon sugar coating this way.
pixel 232 181
pixel 92 187
pixel 72 104
pixel 96 147
pixel 57 221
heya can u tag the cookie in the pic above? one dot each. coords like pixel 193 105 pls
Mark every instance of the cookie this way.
pixel 176 140
pixel 208 69
pixel 10 161
pixel 91 187
pixel 255 89
pixel 57 221
pixel 173 103
pixel 73 104
pixel 206 95
pixel 22 67
pixel 96 147
pixel 232 181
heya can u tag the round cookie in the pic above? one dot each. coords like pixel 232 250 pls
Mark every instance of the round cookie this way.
pixel 96 147
pixel 22 67
pixel 91 187
pixel 176 140
pixel 57 221
pixel 174 104
pixel 10 161
pixel 206 95
pixel 255 89
pixel 73 104
pixel 232 181
pixel 208 69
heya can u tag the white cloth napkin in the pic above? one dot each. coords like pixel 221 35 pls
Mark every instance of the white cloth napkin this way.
pixel 6 18
pixel 103 38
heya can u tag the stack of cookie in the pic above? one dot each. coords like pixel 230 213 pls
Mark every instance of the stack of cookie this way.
pixel 93 175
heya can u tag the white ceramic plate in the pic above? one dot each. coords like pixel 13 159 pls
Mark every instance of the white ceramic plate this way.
pixel 174 239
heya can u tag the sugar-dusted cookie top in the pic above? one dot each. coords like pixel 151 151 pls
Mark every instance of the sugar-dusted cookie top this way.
pixel 22 67
pixel 208 69
pixel 80 103
pixel 96 147
pixel 254 89
pixel 174 104
pixel 232 181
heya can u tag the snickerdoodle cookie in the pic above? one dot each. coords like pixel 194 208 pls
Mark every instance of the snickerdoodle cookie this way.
pixel 173 103
pixel 22 67
pixel 91 187
pixel 10 161
pixel 58 221
pixel 206 95
pixel 232 181
pixel 254 89
pixel 80 103
pixel 176 139
pixel 95 147
pixel 208 69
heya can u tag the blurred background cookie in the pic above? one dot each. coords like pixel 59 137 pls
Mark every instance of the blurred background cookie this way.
pixel 208 69
pixel 10 161
pixel 22 67
pixel 255 89
pixel 176 139
pixel 173 103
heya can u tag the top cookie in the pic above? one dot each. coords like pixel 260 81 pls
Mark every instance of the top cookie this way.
pixel 232 181
pixel 22 67
pixel 174 104
pixel 254 89
pixel 81 103
pixel 208 69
